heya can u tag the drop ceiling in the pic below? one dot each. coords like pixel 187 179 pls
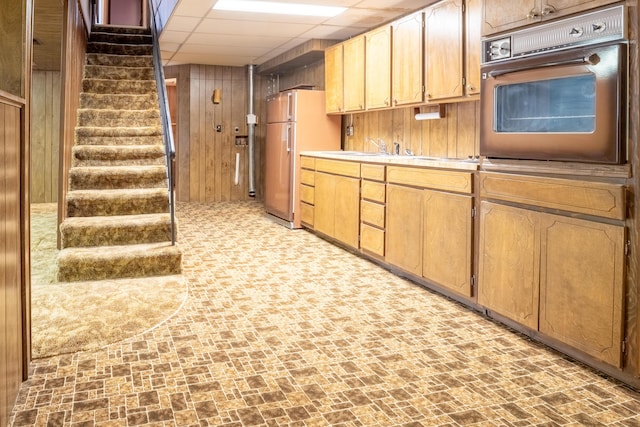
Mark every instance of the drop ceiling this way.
pixel 197 34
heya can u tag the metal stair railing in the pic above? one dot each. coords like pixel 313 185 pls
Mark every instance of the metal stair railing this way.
pixel 165 116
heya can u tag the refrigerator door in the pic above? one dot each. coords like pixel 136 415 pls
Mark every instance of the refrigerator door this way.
pixel 279 153
pixel 281 107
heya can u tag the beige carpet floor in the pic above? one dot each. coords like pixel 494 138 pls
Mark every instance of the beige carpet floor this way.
pixel 68 317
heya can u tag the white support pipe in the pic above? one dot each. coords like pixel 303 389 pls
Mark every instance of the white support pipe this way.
pixel 251 124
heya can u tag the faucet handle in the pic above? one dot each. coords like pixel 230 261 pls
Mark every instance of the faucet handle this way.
pixel 396 148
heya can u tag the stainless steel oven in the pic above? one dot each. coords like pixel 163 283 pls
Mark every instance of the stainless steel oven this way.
pixel 557 91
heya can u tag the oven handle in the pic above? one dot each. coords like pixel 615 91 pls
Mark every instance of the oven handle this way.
pixel 591 60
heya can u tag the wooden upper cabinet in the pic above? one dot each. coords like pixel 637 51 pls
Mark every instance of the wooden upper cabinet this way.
pixel 354 77
pixel 333 78
pixel 502 15
pixel 443 41
pixel 378 68
pixel 407 61
pixel 473 17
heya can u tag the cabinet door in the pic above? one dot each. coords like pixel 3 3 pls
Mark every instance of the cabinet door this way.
pixel 508 271
pixel 324 197
pixel 551 9
pixel 333 82
pixel 448 239
pixel 404 228
pixel 347 210
pixel 378 68
pixel 581 285
pixel 501 15
pixel 443 45
pixel 407 61
pixel 354 74
pixel 473 16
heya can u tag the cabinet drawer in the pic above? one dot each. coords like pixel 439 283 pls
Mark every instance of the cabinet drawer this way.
pixel 338 167
pixel 590 198
pixel 307 177
pixel 373 191
pixel 306 214
pixel 373 172
pixel 372 213
pixel 460 182
pixel 307 194
pixel 307 162
pixel 372 239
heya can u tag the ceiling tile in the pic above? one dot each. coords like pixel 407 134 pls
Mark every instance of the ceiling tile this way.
pixel 218 26
pixel 196 8
pixel 181 23
pixel 173 36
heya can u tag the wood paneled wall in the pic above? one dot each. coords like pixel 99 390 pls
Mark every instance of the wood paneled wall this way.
pixel 456 135
pixel 11 254
pixel 206 158
pixel 74 48
pixel 45 136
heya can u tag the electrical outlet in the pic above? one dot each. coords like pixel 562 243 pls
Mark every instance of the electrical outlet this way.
pixel 349 130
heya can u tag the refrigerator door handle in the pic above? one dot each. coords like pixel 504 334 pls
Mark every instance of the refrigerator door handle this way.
pixel 288 138
pixel 290 106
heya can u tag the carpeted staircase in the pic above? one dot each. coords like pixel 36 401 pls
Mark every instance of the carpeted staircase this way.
pixel 118 221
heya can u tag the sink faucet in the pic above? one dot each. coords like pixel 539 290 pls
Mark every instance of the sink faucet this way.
pixel 382 147
pixel 396 148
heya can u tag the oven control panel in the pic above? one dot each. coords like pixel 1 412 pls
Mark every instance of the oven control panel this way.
pixel 497 49
pixel 591 28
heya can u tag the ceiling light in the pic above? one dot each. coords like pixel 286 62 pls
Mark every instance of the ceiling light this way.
pixel 278 8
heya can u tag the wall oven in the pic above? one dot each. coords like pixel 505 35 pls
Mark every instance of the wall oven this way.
pixel 557 91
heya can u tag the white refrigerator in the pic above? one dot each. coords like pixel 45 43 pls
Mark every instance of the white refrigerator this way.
pixel 296 121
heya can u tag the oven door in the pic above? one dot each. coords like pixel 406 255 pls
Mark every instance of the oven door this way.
pixel 568 105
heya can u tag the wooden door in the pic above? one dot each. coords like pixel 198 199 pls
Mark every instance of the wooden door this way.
pixel 347 210
pixel 551 9
pixel 354 74
pixel 404 238
pixel 582 285
pixel 508 271
pixel 502 15
pixel 473 16
pixel 125 12
pixel 407 61
pixel 443 45
pixel 324 211
pixel 333 83
pixel 378 68
pixel 448 240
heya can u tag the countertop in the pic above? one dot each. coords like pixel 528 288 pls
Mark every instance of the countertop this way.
pixel 389 159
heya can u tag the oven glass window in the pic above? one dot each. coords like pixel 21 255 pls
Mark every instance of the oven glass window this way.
pixel 560 105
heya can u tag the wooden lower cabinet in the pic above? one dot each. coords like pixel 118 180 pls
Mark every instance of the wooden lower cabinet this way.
pixel 559 275
pixel 404 228
pixel 337 207
pixel 581 285
pixel 447 240
pixel 508 262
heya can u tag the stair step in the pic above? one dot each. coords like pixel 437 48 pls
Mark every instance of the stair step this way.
pixel 114 262
pixel 95 131
pixel 116 29
pixel 115 230
pixel 109 155
pixel 117 177
pixel 119 140
pixel 120 38
pixel 118 72
pixel 119 101
pixel 118 86
pixel 117 118
pixel 119 49
pixel 119 60
pixel 117 202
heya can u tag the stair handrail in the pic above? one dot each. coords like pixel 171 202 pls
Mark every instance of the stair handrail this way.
pixel 165 116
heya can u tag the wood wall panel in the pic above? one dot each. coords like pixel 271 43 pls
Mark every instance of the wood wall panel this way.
pixel 206 158
pixel 455 135
pixel 45 136
pixel 11 257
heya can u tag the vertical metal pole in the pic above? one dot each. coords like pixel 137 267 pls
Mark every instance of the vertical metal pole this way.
pixel 251 123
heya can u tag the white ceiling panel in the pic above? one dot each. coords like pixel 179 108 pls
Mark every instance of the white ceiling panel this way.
pixel 195 33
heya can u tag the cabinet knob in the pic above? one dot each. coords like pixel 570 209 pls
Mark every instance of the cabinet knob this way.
pixel 471 88
pixel 533 14
pixel 548 10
